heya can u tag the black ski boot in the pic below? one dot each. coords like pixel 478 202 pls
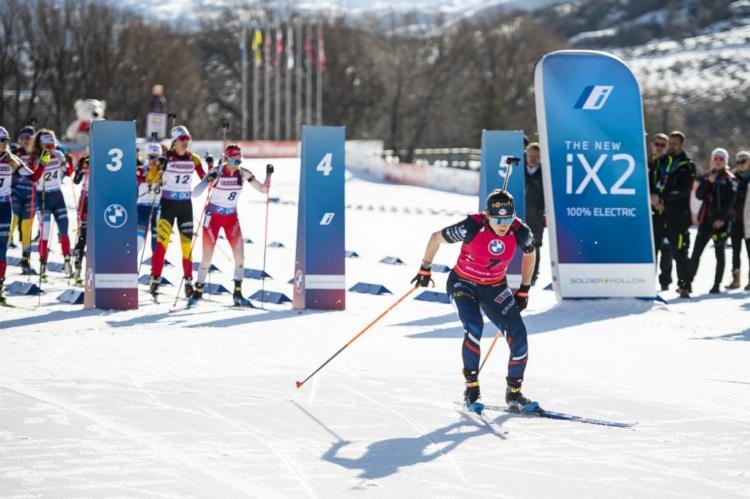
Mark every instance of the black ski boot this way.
pixel 197 294
pixel 77 279
pixel 25 264
pixel 2 295
pixel 237 297
pixel 472 393
pixel 154 289
pixel 189 287
pixel 43 269
pixel 516 401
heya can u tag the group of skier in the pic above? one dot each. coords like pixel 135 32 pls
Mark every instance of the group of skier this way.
pixel 31 178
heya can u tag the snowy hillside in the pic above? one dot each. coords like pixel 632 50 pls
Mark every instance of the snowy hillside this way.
pixel 202 402
pixel 707 67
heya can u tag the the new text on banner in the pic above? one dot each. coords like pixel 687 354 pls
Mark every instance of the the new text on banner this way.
pixel 595 175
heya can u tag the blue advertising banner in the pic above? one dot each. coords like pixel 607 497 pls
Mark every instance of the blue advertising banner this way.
pixel 111 248
pixel 320 273
pixel 497 147
pixel 590 121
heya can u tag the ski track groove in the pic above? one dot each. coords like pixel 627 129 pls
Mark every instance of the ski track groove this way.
pixel 281 455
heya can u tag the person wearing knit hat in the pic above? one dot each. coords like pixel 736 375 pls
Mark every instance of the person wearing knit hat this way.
pixel 737 233
pixel 717 188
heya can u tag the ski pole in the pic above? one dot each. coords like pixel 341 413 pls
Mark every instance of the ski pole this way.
pixel 41 238
pixel 376 319
pixel 192 244
pixel 146 231
pixel 487 356
pixel 265 240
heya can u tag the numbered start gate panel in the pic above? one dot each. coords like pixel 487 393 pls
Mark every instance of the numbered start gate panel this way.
pixel 319 277
pixel 111 248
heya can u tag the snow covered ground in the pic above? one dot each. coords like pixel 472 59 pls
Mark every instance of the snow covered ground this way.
pixel 202 402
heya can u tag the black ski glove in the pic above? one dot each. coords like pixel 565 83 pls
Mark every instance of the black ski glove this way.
pixel 423 277
pixel 209 159
pixel 269 169
pixel 212 174
pixel 522 297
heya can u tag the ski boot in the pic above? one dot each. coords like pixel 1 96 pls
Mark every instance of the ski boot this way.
pixel 239 300
pixel 43 270
pixel 2 296
pixel 25 265
pixel 189 287
pixel 517 403
pixel 77 279
pixel 471 393
pixel 67 267
pixel 154 289
pixel 197 295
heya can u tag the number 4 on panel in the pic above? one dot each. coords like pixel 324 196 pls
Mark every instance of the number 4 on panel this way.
pixel 325 165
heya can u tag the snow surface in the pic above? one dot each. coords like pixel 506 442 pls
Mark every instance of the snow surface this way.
pixel 202 402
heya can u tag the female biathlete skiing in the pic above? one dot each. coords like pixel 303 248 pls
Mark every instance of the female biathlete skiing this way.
pixel 226 181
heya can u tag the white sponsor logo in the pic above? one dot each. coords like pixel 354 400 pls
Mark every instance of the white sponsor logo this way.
pixel 115 216
pixel 327 218
pixel 594 97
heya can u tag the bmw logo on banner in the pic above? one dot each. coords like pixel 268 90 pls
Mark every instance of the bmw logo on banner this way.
pixel 591 132
pixel 115 216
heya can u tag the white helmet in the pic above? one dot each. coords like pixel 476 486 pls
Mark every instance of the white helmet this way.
pixel 179 131
pixel 4 134
pixel 153 149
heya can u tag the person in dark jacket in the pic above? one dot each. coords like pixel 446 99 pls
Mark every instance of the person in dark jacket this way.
pixel 676 174
pixel 718 190
pixel 534 198
pixel 737 233
pixel 656 162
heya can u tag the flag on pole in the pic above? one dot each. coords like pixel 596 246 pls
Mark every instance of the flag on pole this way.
pixel 279 48
pixel 289 48
pixel 307 49
pixel 322 64
pixel 256 46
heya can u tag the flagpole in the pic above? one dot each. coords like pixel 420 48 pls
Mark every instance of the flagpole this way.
pixel 298 83
pixel 308 76
pixel 277 86
pixel 267 85
pixel 319 81
pixel 288 83
pixel 243 53
pixel 256 54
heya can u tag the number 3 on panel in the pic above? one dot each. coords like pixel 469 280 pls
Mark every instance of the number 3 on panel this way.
pixel 116 162
pixel 325 164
